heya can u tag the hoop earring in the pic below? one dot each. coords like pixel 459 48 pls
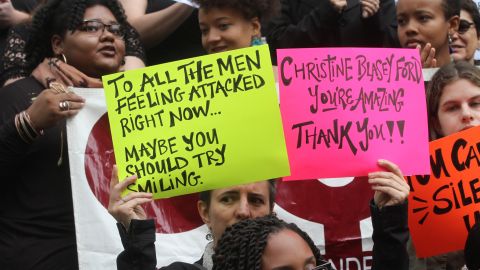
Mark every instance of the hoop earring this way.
pixel 209 236
pixel 63 58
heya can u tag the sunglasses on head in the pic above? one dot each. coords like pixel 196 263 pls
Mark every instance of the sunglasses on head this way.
pixel 464 26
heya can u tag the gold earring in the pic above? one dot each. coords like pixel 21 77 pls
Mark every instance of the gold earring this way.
pixel 63 58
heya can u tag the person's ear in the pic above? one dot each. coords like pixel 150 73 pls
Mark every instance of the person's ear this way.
pixel 202 208
pixel 256 27
pixel 453 24
pixel 57 45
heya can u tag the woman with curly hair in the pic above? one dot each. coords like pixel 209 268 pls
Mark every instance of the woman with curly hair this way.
pixel 36 223
pixel 233 24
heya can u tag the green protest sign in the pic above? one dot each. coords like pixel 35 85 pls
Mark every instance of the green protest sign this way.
pixel 197 124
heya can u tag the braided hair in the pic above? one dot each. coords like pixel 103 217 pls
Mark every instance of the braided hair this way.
pixel 242 245
pixel 56 17
pixel 262 9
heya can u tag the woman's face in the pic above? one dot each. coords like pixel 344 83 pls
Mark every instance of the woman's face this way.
pixel 464 44
pixel 226 29
pixel 459 107
pixel 92 49
pixel 421 22
pixel 229 205
pixel 287 250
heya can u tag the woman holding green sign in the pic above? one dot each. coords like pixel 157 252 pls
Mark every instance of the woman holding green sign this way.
pixel 228 25
pixel 37 223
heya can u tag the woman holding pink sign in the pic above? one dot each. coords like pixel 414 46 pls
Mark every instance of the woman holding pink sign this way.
pixel 228 25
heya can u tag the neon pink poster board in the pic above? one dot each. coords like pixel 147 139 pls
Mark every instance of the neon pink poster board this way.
pixel 345 108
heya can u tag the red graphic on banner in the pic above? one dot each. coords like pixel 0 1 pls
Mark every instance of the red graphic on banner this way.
pixel 179 214
pixel 339 209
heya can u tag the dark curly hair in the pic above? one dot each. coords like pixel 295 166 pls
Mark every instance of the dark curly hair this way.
pixel 242 245
pixel 262 9
pixel 56 17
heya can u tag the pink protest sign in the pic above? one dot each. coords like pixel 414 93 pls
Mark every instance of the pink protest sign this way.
pixel 343 109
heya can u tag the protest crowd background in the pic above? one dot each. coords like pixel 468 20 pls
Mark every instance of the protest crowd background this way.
pixel 368 220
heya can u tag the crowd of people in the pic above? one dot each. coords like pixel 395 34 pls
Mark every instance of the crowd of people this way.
pixel 52 44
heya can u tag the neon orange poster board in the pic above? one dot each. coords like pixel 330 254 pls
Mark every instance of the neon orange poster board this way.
pixel 445 204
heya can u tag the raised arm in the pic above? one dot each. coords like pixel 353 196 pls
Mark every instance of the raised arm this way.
pixel 9 16
pixel 137 233
pixel 156 26
pixel 389 217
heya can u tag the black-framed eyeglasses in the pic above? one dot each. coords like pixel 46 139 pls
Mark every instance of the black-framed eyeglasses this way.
pixel 464 26
pixel 96 27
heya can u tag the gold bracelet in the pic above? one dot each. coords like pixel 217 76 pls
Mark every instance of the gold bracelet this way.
pixel 20 130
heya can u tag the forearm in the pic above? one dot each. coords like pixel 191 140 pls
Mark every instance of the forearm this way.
pixel 13 100
pixel 19 17
pixel 155 27
pixel 12 147
pixel 390 235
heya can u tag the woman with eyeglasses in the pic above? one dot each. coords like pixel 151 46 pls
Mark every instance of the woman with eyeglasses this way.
pixel 14 67
pixel 36 223
pixel 466 40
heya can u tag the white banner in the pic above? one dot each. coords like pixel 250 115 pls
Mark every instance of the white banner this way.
pixel 336 209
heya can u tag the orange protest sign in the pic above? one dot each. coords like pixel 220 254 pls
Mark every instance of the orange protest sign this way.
pixel 446 203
